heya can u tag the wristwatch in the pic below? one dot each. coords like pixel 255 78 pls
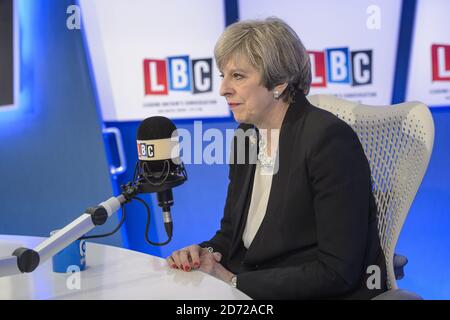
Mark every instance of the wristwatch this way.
pixel 233 281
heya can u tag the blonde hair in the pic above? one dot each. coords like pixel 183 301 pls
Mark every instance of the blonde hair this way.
pixel 273 48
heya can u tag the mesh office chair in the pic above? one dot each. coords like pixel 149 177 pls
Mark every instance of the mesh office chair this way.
pixel 397 141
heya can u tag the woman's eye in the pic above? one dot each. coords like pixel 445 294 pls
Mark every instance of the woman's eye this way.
pixel 236 76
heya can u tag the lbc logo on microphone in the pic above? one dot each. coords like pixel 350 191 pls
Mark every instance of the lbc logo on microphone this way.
pixel 440 62
pixel 341 66
pixel 177 74
pixel 146 150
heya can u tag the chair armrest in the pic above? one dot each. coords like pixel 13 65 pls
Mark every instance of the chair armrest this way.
pixel 397 294
pixel 399 262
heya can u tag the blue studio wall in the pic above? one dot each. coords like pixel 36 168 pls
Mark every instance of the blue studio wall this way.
pixel 425 239
pixel 52 156
pixel 58 121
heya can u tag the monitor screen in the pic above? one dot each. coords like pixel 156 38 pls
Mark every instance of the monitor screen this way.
pixel 8 55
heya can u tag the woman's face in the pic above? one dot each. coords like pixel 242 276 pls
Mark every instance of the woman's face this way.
pixel 249 101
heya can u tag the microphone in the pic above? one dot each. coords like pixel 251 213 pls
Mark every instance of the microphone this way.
pixel 159 168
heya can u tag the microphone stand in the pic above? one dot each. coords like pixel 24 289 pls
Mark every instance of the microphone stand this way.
pixel 25 260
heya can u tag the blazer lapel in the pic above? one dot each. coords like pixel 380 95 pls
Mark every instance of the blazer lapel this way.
pixel 260 249
pixel 244 175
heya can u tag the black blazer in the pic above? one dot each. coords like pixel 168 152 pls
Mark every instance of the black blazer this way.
pixel 319 233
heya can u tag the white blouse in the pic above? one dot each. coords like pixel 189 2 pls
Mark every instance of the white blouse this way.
pixel 262 183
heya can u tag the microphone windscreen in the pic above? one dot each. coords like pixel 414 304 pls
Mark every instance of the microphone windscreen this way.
pixel 157 139
pixel 154 128
pixel 159 167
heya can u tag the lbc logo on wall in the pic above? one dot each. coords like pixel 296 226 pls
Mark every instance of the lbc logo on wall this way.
pixel 440 62
pixel 341 66
pixel 178 73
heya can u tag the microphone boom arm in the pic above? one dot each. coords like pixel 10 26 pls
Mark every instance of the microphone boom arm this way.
pixel 25 260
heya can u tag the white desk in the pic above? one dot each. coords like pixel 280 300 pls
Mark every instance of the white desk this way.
pixel 111 273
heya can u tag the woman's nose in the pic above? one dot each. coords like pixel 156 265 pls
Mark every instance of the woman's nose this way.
pixel 225 88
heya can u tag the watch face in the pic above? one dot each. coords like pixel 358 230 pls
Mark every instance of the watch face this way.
pixel 234 281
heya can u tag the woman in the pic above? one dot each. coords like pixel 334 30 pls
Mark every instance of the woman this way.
pixel 301 222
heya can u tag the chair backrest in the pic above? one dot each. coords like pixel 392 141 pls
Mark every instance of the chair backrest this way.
pixel 397 141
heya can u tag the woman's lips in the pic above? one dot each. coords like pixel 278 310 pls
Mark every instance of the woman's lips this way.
pixel 233 105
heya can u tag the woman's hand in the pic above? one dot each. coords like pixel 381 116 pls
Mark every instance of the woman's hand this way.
pixel 210 264
pixel 187 258
pixel 195 257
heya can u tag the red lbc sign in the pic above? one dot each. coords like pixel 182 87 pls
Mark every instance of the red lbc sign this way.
pixel 317 59
pixel 155 76
pixel 440 62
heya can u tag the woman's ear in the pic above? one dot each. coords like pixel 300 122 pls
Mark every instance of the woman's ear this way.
pixel 281 87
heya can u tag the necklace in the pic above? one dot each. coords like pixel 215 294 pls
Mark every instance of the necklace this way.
pixel 264 160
